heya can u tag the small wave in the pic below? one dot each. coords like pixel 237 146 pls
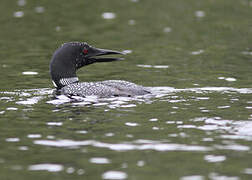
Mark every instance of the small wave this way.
pixel 33 96
pixel 126 146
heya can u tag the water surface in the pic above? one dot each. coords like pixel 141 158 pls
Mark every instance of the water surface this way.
pixel 194 55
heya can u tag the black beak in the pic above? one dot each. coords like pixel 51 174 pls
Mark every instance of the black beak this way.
pixel 93 54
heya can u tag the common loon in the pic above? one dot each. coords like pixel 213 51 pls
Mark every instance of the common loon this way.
pixel 71 56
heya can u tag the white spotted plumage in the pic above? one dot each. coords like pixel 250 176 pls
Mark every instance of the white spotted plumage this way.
pixel 104 89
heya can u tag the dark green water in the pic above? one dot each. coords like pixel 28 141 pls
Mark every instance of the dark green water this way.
pixel 197 57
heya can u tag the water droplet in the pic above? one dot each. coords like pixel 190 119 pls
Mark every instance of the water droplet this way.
pixel 131 124
pixel 39 9
pixel 11 108
pixel 153 119
pixel 132 22
pixel 230 79
pixel 114 175
pixel 21 2
pixel 223 107
pixel 57 28
pixel 18 14
pixel 109 134
pixel 70 170
pixel 247 171
pixel 213 158
pixel 46 167
pixel 194 177
pixel 108 15
pixel 23 148
pixel 197 52
pixel 12 139
pixel 140 163
pixel 161 66
pixel 54 123
pixel 167 29
pixel 200 14
pixel 32 136
pixel 80 171
pixel 29 73
pixel 99 160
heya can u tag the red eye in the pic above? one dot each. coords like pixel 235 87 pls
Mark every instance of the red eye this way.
pixel 85 51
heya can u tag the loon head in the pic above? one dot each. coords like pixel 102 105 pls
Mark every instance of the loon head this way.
pixel 72 56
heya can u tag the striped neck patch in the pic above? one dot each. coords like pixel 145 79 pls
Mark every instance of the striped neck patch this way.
pixel 67 81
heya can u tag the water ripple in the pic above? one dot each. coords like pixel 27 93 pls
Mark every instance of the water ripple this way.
pixel 33 96
pixel 126 146
pixel 46 167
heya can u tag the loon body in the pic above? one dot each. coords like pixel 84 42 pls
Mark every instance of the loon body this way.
pixel 70 57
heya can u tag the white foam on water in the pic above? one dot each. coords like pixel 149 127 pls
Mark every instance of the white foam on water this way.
pixel 18 14
pixel 11 108
pixel 193 177
pixel 80 171
pixel 200 14
pixel 28 96
pixel 140 163
pixel 108 15
pixel 223 107
pixel 99 160
pixel 128 105
pixel 61 99
pixel 247 171
pixel 230 79
pixel 234 147
pixel 33 136
pixel 21 2
pixel 197 52
pixel 186 126
pixel 82 132
pixel 54 123
pixel 29 73
pixel 155 128
pixel 30 101
pixel 16 167
pixel 131 124
pixel 237 129
pixel 243 128
pixel 153 66
pixel 167 29
pixel 144 65
pixel 214 159
pixel 131 22
pixel 127 146
pixel 46 167
pixel 114 175
pixel 161 66
pixel 23 148
pixel 216 176
pixel 247 52
pixel 39 9
pixel 12 139
pixel 33 96
pixel 70 170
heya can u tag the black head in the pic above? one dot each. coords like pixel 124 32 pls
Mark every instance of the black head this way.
pixel 72 56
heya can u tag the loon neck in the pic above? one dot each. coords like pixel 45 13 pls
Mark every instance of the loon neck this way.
pixel 62 75
pixel 65 81
pixel 63 68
